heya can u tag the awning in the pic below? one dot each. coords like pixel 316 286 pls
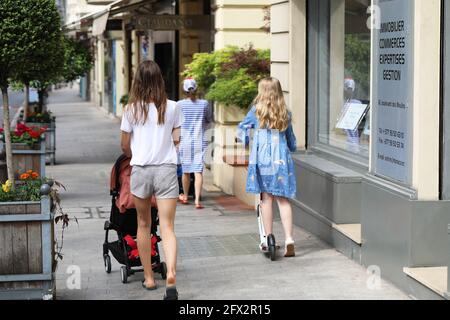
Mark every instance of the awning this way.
pixel 99 24
pixel 97 20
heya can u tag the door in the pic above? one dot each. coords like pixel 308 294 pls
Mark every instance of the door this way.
pixel 164 57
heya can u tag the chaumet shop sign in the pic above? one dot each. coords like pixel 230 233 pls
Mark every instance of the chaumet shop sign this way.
pixel 171 22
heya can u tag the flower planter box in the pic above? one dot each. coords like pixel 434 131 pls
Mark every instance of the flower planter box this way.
pixel 50 139
pixel 27 250
pixel 228 115
pixel 28 158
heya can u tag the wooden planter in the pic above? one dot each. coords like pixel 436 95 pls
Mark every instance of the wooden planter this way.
pixel 228 115
pixel 27 250
pixel 50 139
pixel 27 158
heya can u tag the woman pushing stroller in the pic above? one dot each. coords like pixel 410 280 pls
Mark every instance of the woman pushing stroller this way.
pixel 150 132
pixel 271 168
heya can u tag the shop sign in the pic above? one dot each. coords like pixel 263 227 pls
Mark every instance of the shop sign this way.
pixel 392 91
pixel 171 22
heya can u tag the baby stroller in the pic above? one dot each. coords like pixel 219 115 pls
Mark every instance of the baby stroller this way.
pixel 123 220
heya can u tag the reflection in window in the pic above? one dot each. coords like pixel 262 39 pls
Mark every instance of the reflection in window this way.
pixel 343 74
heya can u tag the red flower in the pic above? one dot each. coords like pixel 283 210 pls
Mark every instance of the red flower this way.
pixel 1 130
pixel 21 129
pixel 34 134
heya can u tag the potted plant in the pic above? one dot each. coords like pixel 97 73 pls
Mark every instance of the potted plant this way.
pixel 28 148
pixel 45 120
pixel 28 213
pixel 230 78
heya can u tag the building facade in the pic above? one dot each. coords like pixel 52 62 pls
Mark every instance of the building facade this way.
pixel 366 83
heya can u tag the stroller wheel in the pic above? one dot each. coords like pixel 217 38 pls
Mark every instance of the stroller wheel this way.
pixel 163 270
pixel 107 261
pixel 124 274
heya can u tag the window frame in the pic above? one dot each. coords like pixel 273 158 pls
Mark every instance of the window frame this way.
pixel 316 24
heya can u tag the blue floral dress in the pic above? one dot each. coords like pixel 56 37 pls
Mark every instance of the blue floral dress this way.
pixel 271 168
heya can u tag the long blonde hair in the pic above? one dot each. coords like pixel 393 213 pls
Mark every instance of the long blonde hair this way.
pixel 271 109
pixel 148 86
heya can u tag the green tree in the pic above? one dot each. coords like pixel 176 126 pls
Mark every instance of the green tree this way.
pixel 44 65
pixel 357 62
pixel 78 59
pixel 28 33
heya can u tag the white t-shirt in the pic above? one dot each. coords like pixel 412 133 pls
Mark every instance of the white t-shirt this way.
pixel 152 144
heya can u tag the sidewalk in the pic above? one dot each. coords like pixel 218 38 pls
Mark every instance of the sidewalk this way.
pixel 218 256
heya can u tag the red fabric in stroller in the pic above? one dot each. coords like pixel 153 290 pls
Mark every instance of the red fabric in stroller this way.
pixel 124 200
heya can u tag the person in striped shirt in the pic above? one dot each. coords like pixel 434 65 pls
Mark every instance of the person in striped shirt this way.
pixel 197 117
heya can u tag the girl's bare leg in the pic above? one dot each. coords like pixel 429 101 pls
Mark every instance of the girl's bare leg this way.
pixel 267 212
pixel 286 218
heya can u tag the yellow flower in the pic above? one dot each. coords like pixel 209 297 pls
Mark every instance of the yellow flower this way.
pixel 7 186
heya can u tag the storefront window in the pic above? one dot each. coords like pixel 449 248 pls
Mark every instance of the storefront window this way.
pixel 339 74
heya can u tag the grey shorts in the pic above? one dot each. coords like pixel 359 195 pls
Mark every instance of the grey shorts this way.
pixel 160 180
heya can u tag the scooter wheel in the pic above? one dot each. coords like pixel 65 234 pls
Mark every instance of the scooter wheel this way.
pixel 272 246
pixel 272 252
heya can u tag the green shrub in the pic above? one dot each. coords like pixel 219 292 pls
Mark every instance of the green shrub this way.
pixel 240 89
pixel 230 76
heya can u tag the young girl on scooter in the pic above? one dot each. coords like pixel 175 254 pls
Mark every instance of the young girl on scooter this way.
pixel 271 168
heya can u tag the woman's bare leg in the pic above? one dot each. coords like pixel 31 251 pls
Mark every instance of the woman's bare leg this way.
pixel 186 181
pixel 166 212
pixel 267 212
pixel 144 238
pixel 198 187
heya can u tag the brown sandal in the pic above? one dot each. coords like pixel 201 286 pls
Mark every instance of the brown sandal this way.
pixel 290 250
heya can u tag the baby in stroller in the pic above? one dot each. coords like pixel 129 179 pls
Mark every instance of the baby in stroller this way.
pixel 123 220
